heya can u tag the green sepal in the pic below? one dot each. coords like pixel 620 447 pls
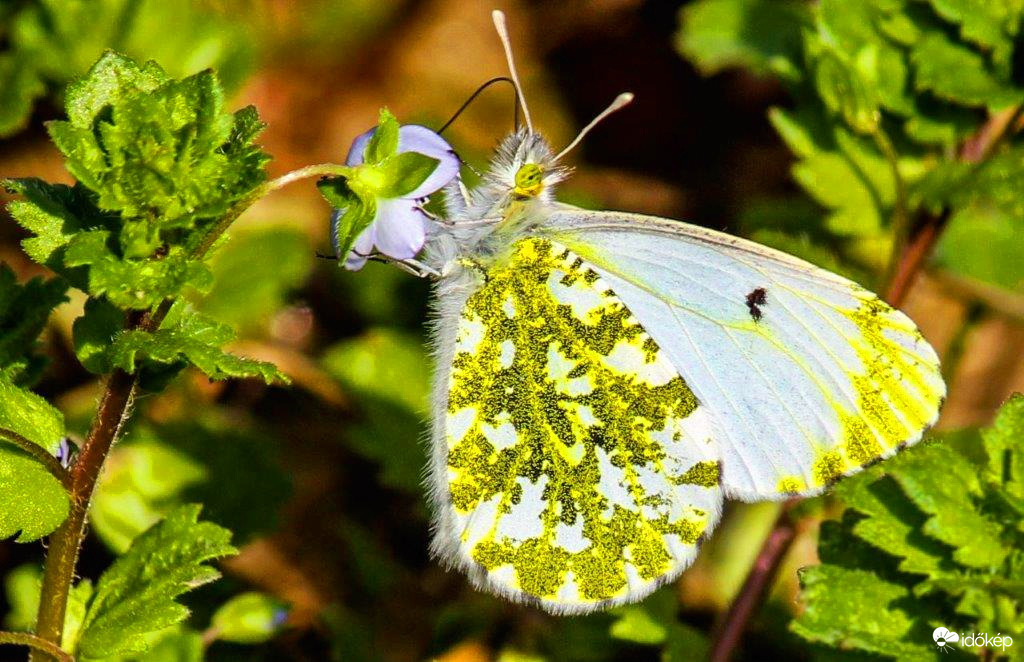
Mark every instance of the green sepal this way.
pixel 383 144
pixel 403 173
pixel 357 213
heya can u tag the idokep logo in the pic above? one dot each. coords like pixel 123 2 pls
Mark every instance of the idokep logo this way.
pixel 945 638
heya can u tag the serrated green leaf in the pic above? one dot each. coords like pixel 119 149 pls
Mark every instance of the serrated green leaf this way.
pixel 943 484
pixel 1002 442
pixel 832 180
pixel 24 310
pixel 54 213
pixel 152 147
pixel 249 618
pixel 763 35
pixel 855 609
pixel 845 92
pixel 988 23
pixel 955 72
pixel 188 337
pixel 136 595
pixel 893 525
pixel 93 333
pixel 383 144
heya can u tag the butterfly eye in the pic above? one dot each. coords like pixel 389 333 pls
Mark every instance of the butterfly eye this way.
pixel 529 180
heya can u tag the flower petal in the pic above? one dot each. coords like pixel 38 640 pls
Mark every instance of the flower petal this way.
pixel 401 228
pixel 355 152
pixel 415 138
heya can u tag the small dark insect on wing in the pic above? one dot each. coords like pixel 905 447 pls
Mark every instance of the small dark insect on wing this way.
pixel 755 300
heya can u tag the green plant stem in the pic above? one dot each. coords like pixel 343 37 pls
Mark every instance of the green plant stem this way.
pixel 319 170
pixel 35 643
pixel 39 453
pixel 113 411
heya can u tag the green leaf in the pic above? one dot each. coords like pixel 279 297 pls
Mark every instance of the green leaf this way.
pixel 152 147
pixel 20 86
pixel 249 618
pixel 942 484
pixel 405 172
pixel 893 525
pixel 982 243
pixel 94 332
pixel 955 72
pixel 32 502
pixel 22 587
pixel 136 595
pixel 154 469
pixel 135 284
pixel 24 310
pixel 1002 442
pixel 844 91
pixel 856 609
pixel 191 337
pixel 54 213
pixel 763 35
pixel 383 144
pixel 989 23
pixel 633 623
pixel 143 481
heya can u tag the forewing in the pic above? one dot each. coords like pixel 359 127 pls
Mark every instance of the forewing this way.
pixel 575 467
pixel 805 376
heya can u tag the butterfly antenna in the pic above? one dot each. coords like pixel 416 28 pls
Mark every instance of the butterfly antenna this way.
pixel 620 102
pixel 472 98
pixel 498 17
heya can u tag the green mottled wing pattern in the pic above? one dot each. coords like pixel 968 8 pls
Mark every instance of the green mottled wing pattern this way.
pixel 578 467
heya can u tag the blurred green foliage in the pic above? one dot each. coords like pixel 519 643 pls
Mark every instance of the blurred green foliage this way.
pixel 52 42
pixel 883 94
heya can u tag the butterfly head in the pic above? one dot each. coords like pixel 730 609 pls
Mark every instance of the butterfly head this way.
pixel 525 165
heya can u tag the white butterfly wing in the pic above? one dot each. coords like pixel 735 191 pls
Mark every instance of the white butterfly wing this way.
pixel 806 376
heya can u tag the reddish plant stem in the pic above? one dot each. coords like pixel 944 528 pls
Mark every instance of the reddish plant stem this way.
pixel 755 587
pixel 62 556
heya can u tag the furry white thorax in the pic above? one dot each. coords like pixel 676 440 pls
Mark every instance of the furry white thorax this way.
pixel 479 222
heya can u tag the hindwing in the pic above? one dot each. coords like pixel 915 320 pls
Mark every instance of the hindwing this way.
pixel 578 467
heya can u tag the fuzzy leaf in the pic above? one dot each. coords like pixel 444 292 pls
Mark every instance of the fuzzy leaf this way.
pixel 942 483
pixel 136 595
pixel 866 618
pixel 32 501
pixel 189 337
pixel 24 310
pixel 955 72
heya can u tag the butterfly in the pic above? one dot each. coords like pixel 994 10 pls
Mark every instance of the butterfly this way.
pixel 604 380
